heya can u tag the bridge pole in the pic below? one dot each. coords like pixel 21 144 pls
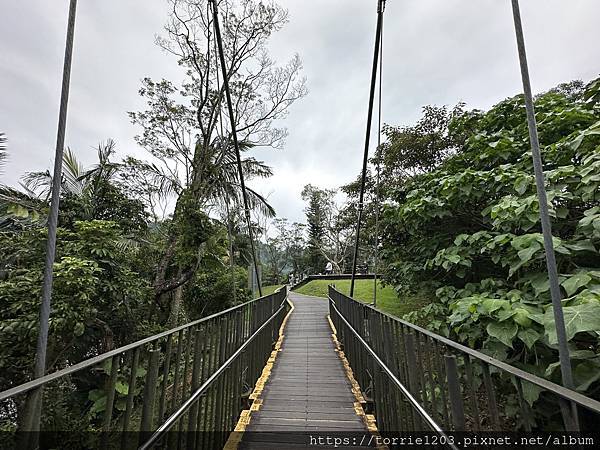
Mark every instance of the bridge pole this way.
pixel 34 401
pixel 380 9
pixel 563 350
pixel 235 139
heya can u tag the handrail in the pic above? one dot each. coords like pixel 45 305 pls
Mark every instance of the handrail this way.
pixel 424 415
pixel 137 386
pixel 171 420
pixel 28 386
pixel 450 381
pixel 568 394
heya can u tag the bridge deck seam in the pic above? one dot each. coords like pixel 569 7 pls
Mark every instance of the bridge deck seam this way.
pixel 245 416
pixel 309 390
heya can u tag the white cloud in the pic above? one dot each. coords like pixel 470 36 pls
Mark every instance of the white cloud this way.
pixel 436 51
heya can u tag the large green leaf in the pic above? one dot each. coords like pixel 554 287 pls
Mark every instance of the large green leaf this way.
pixel 540 283
pixel 521 184
pixel 578 319
pixel 585 373
pixel 522 317
pixel 527 253
pixel 572 284
pixel 492 304
pixel 503 331
pixel 531 392
pixel 122 387
pixel 529 336
pixel 551 368
pixel 506 314
pixel 584 245
pixel 99 405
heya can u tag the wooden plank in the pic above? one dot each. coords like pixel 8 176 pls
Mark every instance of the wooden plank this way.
pixel 308 388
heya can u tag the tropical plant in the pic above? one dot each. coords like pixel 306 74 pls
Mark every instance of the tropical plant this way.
pixel 18 208
pixel 186 131
pixel 470 223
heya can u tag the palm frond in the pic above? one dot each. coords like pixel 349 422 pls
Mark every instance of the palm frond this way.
pixel 20 208
pixel 71 173
pixel 105 169
pixel 254 168
pixel 105 151
pixel 125 243
pixel 41 182
pixel 258 202
pixel 162 182
pixel 38 182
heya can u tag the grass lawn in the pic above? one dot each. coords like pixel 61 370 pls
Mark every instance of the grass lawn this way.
pixel 266 290
pixel 387 299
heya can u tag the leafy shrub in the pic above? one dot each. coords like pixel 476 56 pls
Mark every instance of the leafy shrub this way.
pixel 471 224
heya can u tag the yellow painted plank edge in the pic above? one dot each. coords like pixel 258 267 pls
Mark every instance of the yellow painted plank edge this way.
pixel 245 416
pixel 368 419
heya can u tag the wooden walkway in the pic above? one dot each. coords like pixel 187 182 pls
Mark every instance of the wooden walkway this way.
pixel 308 389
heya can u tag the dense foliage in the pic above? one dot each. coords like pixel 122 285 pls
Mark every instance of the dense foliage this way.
pixel 147 243
pixel 465 221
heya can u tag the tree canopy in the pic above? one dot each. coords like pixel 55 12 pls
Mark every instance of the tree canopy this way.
pixel 466 222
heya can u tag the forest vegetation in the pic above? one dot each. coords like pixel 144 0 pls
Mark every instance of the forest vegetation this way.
pixel 451 220
pixel 458 220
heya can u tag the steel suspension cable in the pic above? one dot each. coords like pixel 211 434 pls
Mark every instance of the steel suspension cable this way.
pixel 33 407
pixel 380 10
pixel 227 210
pixel 235 140
pixel 563 350
pixel 377 168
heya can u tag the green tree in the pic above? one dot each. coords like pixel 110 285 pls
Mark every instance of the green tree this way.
pixel 98 297
pixel 284 251
pixel 185 129
pixel 318 202
pixel 409 150
pixel 470 225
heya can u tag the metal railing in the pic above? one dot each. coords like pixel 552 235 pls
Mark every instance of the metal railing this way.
pixel 118 399
pixel 223 385
pixel 416 380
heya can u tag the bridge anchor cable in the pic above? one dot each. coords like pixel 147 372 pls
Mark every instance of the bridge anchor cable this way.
pixel 376 52
pixel 234 137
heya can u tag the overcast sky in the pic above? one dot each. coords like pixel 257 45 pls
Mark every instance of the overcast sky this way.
pixel 435 52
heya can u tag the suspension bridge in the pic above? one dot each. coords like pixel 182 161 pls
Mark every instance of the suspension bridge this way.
pixel 285 370
pixel 279 370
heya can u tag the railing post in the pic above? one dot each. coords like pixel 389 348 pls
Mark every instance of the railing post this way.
pixel 193 414
pixel 149 394
pixel 456 402
pixel 491 396
pixel 130 397
pixel 411 357
pixel 166 371
pixel 569 414
pixel 110 399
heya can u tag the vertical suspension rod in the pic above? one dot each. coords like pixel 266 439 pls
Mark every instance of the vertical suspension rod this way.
pixel 235 139
pixel 377 174
pixel 380 9
pixel 227 210
pixel 34 402
pixel 563 350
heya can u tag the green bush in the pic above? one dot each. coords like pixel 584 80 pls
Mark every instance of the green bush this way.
pixel 471 224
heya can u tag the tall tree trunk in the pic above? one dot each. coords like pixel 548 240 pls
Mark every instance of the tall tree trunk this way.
pixel 176 301
pixel 195 192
